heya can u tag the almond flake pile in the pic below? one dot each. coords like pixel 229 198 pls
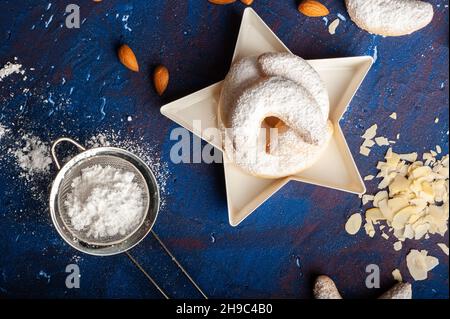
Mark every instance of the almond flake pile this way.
pixel 413 197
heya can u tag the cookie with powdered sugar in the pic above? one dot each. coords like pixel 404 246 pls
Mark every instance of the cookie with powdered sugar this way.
pixel 299 147
pixel 296 69
pixel 243 74
pixel 390 18
pixel 284 87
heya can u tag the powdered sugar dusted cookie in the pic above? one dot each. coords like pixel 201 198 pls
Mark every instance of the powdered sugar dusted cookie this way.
pixel 296 69
pixel 243 74
pixel 390 17
pixel 297 148
pixel 274 91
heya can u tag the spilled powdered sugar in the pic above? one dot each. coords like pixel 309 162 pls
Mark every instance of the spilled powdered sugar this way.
pixel 22 86
pixel 33 158
pixel 10 68
pixel 3 131
pixel 25 153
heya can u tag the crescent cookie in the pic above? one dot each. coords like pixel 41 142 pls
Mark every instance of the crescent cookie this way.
pixel 281 86
pixel 243 74
pixel 299 146
pixel 298 70
pixel 390 17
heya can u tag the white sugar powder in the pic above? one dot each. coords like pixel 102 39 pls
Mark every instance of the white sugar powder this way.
pixel 142 149
pixel 3 131
pixel 10 68
pixel 105 201
pixel 34 157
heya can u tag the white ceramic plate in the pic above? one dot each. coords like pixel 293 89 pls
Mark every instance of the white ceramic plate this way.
pixel 336 168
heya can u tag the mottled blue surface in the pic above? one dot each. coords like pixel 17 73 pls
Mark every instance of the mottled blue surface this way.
pixel 294 236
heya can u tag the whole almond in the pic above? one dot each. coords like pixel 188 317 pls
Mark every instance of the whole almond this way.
pixel 222 1
pixel 127 57
pixel 161 79
pixel 247 2
pixel 313 8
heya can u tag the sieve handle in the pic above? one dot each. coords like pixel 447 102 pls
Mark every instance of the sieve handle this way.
pixel 60 140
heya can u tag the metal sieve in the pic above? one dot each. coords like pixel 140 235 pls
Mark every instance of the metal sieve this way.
pixel 124 160
pixel 103 156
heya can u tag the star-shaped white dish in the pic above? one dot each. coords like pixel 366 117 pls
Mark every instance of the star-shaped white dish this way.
pixel 335 169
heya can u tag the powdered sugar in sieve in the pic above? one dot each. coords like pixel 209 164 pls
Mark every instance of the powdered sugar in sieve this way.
pixel 105 202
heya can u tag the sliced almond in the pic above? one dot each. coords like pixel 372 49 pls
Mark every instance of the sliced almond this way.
pixel 333 26
pixel 368 143
pixel 371 132
pixel 400 184
pixel 398 246
pixel 374 215
pixel 411 157
pixel 397 275
pixel 403 217
pixel 419 264
pixel 364 151
pixel 397 203
pixel 379 197
pixel 353 224
pixel 367 198
pixel 443 247
pixel 381 141
pixel 370 230
pixel 385 210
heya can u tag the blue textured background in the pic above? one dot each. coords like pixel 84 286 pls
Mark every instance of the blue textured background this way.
pixel 294 236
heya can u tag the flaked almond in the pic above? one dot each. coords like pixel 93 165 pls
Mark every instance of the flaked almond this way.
pixel 313 8
pixel 247 2
pixel 222 1
pixel 127 57
pixel 161 79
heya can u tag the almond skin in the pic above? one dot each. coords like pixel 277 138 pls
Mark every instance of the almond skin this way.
pixel 161 79
pixel 247 2
pixel 127 57
pixel 313 8
pixel 222 1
